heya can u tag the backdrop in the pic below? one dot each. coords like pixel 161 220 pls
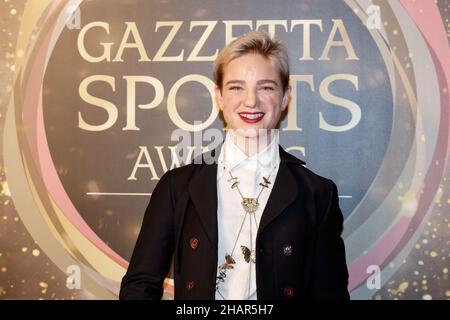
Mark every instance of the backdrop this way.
pixel 95 95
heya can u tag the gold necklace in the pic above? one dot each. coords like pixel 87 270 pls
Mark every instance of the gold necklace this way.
pixel 250 206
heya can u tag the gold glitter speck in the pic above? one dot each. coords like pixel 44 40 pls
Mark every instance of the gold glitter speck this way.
pixel 402 287
pixel 36 252
pixel 5 189
pixel 43 284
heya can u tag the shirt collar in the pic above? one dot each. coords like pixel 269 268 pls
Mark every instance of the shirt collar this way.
pixel 233 156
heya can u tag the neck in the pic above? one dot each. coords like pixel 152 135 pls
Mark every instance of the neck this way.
pixel 252 145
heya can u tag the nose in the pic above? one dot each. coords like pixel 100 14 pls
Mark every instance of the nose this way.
pixel 250 99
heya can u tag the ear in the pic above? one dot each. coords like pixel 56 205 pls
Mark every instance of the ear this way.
pixel 219 98
pixel 286 98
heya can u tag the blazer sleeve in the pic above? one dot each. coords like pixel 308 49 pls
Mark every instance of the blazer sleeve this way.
pixel 329 272
pixel 152 255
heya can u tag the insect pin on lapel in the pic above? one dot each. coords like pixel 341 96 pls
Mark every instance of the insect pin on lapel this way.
pixel 265 183
pixel 234 182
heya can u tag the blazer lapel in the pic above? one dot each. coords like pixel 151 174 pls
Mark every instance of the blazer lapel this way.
pixel 203 192
pixel 284 190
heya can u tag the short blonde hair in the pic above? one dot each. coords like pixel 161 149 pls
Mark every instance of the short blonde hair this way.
pixel 257 42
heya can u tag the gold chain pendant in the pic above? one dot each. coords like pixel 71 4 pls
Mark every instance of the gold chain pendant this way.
pixel 250 205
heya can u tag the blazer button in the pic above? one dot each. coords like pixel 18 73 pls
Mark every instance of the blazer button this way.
pixel 287 251
pixel 194 243
pixel 288 292
pixel 190 285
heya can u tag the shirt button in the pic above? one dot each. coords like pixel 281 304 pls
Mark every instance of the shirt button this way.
pixel 194 243
pixel 288 292
pixel 190 285
pixel 287 251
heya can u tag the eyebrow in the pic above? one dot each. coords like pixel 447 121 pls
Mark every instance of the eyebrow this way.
pixel 259 82
pixel 267 81
pixel 235 82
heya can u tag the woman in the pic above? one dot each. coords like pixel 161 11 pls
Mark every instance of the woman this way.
pixel 254 223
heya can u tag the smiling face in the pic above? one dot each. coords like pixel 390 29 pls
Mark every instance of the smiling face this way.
pixel 252 96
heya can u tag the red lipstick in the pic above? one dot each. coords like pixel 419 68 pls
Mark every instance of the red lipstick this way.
pixel 251 117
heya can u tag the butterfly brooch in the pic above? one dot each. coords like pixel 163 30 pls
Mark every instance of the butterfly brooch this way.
pixel 249 255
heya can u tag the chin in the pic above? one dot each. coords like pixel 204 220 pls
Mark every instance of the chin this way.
pixel 248 132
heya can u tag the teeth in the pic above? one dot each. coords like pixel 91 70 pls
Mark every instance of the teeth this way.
pixel 252 116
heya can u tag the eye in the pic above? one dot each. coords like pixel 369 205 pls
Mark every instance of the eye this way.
pixel 268 88
pixel 235 88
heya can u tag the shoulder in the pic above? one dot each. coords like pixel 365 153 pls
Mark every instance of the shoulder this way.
pixel 177 180
pixel 305 176
pixel 315 181
pixel 179 175
pixel 320 191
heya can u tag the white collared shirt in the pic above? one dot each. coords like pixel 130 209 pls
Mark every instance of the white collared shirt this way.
pixel 240 282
